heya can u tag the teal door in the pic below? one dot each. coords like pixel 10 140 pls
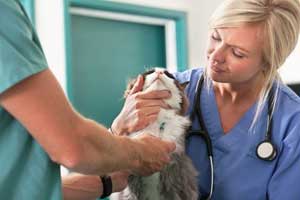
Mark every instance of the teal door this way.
pixel 105 55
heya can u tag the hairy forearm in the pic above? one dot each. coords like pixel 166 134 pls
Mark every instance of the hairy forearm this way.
pixel 102 152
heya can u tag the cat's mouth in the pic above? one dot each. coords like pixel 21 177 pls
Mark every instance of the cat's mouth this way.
pixel 157 81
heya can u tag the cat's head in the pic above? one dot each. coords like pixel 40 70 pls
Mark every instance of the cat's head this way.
pixel 161 79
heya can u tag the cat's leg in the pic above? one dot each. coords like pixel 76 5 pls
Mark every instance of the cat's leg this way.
pixel 135 188
pixel 123 195
pixel 189 176
pixel 170 181
pixel 179 179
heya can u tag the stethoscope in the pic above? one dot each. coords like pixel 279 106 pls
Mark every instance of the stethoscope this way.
pixel 265 150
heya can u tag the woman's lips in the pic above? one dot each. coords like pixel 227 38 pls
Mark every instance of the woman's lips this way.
pixel 217 69
pixel 215 66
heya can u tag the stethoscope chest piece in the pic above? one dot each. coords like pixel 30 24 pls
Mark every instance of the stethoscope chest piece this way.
pixel 266 151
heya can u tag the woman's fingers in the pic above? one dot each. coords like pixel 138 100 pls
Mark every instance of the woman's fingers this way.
pixel 150 110
pixel 142 118
pixel 140 109
pixel 138 86
pixel 156 94
pixel 151 103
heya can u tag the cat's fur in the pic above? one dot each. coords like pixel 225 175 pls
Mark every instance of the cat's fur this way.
pixel 177 181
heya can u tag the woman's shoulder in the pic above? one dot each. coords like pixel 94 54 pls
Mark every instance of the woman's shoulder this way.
pixel 288 98
pixel 287 113
pixel 189 75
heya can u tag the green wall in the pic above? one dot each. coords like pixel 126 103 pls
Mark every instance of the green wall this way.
pixel 105 55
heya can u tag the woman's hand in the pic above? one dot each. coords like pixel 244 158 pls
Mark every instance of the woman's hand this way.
pixel 76 186
pixel 140 109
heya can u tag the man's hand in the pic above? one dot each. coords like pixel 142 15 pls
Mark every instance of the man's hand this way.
pixel 154 154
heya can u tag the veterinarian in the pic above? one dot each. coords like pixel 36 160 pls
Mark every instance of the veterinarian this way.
pixel 39 129
pixel 239 104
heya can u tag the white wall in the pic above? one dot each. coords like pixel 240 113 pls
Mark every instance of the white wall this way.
pixel 50 28
pixel 290 71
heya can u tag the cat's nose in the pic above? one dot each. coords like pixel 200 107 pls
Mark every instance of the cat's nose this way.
pixel 159 72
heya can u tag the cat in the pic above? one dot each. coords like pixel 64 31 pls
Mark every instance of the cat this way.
pixel 178 180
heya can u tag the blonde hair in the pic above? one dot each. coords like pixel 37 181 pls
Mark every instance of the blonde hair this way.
pixel 280 21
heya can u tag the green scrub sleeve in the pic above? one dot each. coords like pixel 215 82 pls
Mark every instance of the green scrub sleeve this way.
pixel 21 54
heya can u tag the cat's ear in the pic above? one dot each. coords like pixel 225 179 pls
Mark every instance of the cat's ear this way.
pixel 183 85
pixel 185 101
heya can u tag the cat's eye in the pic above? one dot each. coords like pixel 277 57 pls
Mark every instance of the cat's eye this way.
pixel 168 74
pixel 149 72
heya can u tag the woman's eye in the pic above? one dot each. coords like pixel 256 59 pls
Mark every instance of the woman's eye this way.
pixel 237 54
pixel 215 36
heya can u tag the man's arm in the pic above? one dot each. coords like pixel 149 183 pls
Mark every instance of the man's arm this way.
pixel 80 144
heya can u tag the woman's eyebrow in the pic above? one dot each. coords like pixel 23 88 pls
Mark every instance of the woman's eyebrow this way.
pixel 239 47
pixel 233 45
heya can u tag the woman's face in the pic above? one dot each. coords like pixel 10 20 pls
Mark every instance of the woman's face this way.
pixel 234 55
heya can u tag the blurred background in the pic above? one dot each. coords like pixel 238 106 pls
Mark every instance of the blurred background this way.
pixel 94 46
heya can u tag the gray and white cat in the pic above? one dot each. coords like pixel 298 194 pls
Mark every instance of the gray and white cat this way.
pixel 177 181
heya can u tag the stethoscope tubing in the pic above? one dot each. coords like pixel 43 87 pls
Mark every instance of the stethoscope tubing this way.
pixel 205 135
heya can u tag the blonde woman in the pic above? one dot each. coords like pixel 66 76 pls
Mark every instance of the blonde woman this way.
pixel 251 117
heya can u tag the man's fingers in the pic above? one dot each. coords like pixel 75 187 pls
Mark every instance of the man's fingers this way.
pixel 138 86
pixel 171 146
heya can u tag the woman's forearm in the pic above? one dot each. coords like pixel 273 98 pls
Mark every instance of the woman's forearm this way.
pixel 77 186
pixel 81 187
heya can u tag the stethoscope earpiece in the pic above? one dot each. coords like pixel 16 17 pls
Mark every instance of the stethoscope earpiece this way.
pixel 266 151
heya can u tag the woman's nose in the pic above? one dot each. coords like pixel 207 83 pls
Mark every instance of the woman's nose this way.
pixel 218 54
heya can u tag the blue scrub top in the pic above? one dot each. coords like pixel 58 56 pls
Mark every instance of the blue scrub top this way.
pixel 26 171
pixel 239 173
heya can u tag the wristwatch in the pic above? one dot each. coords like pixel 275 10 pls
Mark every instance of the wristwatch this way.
pixel 106 185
